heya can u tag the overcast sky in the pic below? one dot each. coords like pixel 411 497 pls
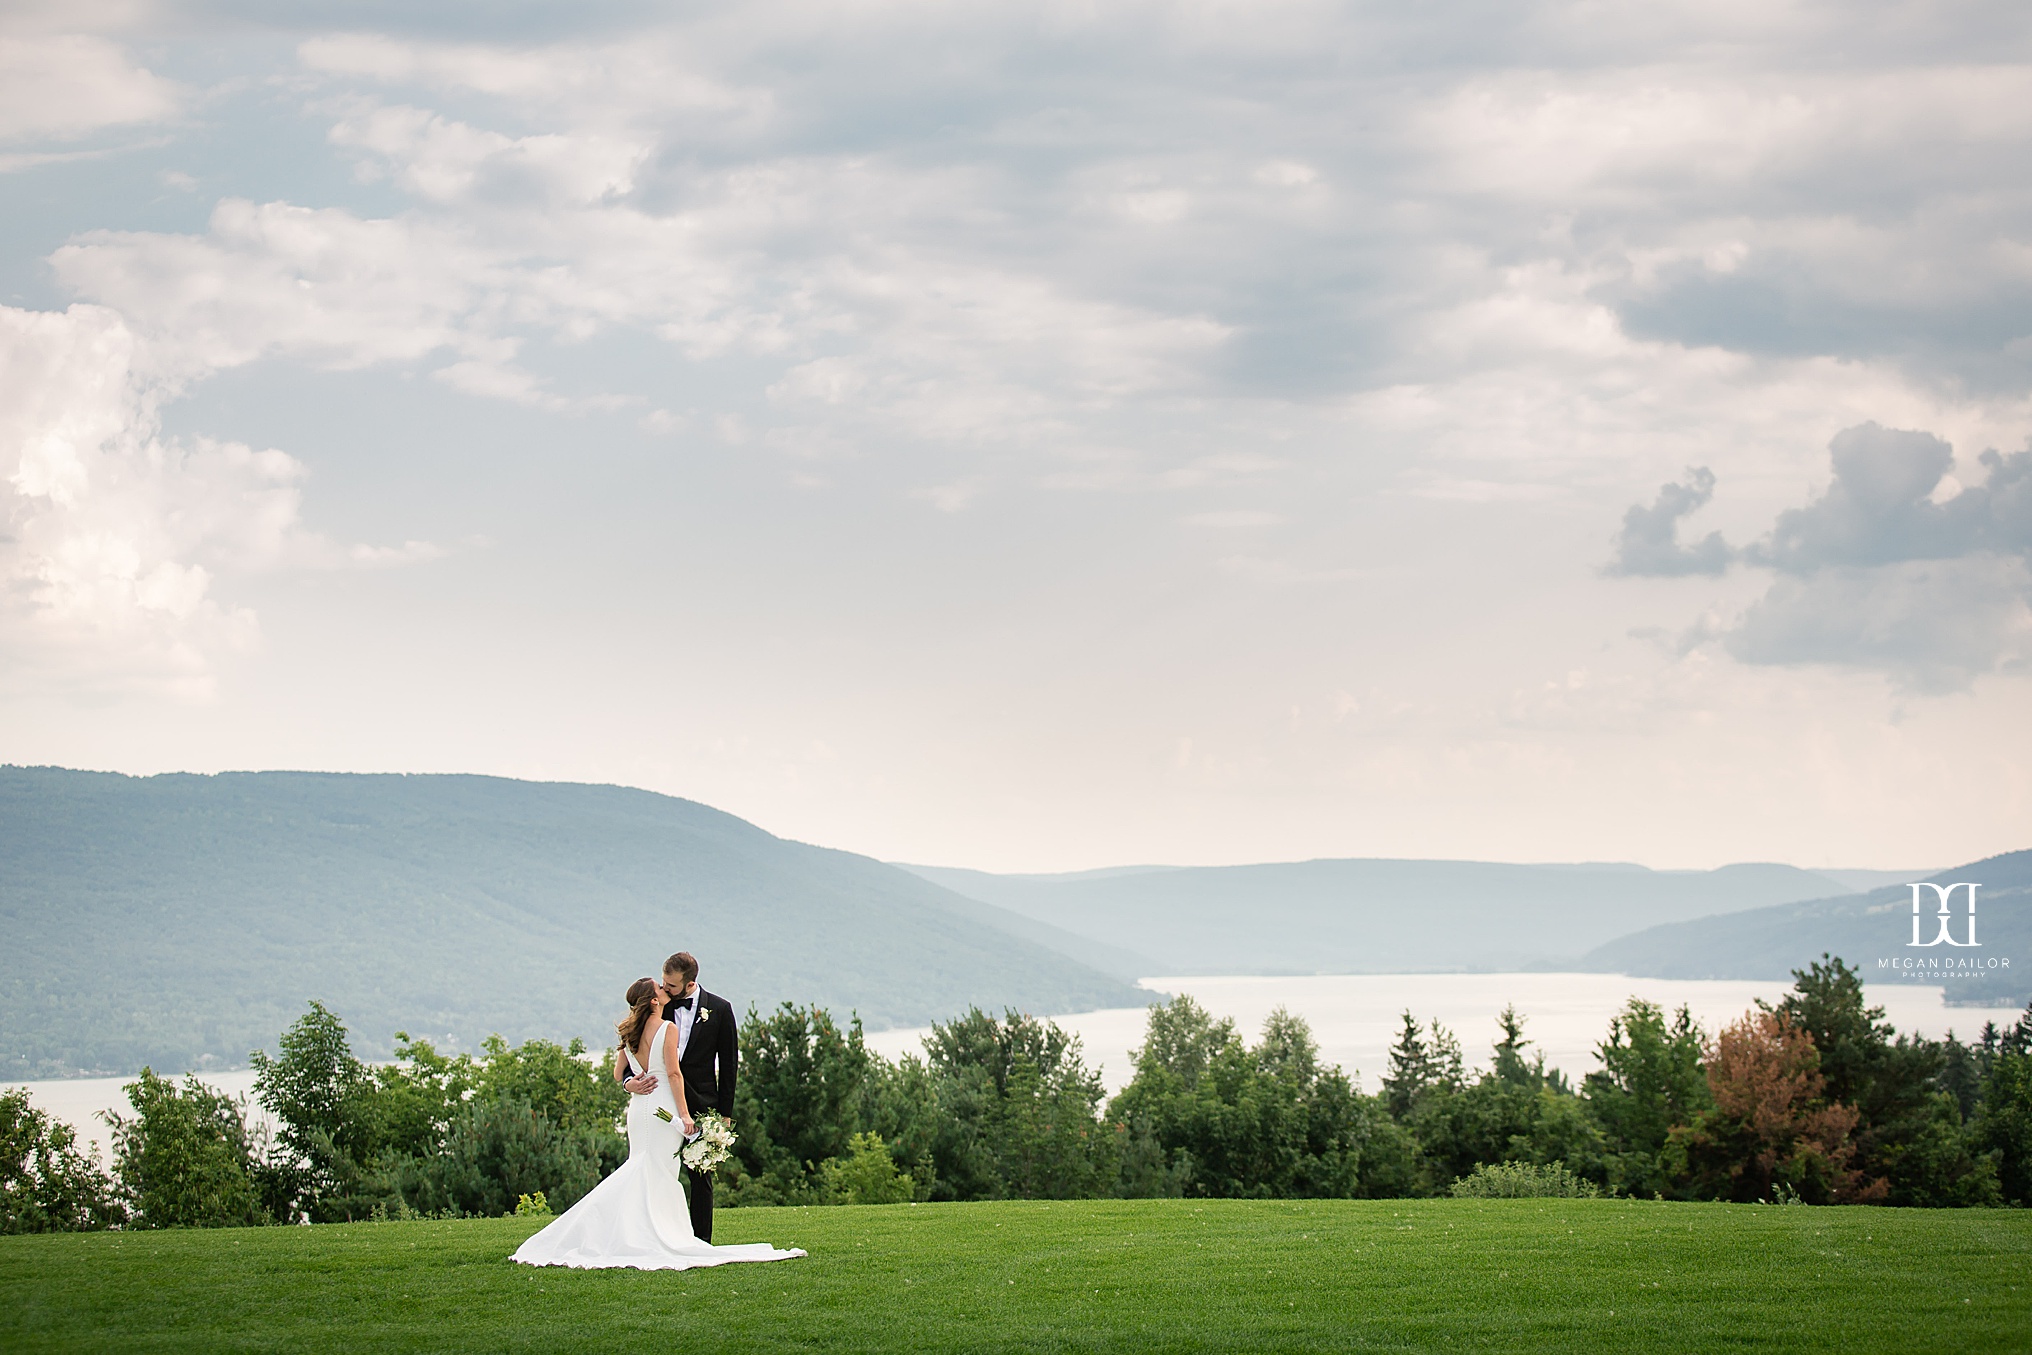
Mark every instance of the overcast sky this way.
pixel 1041 436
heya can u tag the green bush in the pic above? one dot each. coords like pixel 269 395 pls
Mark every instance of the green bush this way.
pixel 867 1175
pixel 1523 1180
pixel 571 1090
pixel 497 1152
pixel 46 1184
pixel 185 1158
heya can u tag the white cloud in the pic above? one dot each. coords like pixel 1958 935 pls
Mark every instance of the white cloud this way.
pixel 112 537
pixel 1442 293
pixel 441 160
pixel 60 86
pixel 1933 625
pixel 317 284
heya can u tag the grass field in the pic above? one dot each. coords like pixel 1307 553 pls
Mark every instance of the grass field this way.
pixel 1551 1275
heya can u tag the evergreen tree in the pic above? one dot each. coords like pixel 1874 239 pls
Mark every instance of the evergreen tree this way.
pixel 803 1086
pixel 1651 1079
pixel 1020 1112
pixel 2004 1123
pixel 1410 1069
pixel 1420 1064
pixel 1517 1111
pixel 1909 1130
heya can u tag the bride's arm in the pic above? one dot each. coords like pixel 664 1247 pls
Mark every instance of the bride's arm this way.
pixel 676 1079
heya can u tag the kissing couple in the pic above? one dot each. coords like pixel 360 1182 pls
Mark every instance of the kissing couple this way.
pixel 677 1057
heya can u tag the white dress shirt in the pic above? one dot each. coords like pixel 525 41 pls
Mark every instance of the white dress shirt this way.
pixel 687 1008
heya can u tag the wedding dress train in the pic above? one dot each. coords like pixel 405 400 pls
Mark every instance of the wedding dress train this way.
pixel 637 1217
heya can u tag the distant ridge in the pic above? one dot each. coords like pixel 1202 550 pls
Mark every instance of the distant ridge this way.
pixel 212 908
pixel 1377 916
pixel 1769 943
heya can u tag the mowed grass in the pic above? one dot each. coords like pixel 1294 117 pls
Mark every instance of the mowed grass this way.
pixel 1157 1275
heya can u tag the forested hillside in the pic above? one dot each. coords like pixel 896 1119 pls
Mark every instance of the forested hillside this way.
pixel 1768 943
pixel 206 909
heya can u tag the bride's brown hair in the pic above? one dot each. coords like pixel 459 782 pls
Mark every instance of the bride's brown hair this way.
pixel 641 1007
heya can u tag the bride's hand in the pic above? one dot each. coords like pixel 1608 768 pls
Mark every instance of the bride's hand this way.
pixel 689 1127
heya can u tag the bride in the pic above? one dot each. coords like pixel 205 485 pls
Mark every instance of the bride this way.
pixel 637 1217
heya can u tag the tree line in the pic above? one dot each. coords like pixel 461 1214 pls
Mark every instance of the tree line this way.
pixel 1813 1100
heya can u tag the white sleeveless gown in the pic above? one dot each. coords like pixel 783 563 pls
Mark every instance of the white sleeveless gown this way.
pixel 638 1217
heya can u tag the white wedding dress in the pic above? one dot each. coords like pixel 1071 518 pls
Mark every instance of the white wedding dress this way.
pixel 638 1217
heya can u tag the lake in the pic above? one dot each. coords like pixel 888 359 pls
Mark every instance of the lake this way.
pixel 1356 1017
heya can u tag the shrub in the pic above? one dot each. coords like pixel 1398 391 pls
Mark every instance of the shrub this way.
pixel 46 1184
pixel 867 1175
pixel 1523 1180
pixel 570 1090
pixel 498 1151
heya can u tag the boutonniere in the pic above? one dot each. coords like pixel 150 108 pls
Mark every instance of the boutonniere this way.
pixel 702 1015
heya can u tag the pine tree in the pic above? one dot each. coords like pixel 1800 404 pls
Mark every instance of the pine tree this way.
pixel 1410 1069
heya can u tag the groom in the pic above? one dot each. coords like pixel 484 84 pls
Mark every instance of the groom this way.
pixel 707 1056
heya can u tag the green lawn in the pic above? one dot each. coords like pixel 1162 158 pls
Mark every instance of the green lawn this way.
pixel 1552 1275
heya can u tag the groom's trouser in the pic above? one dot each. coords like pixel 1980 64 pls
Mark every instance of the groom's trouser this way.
pixel 701 1184
pixel 701 1204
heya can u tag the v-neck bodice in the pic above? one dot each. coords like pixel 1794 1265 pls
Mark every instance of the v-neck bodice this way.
pixel 655 1046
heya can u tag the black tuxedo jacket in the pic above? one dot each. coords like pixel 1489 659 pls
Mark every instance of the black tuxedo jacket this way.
pixel 711 1057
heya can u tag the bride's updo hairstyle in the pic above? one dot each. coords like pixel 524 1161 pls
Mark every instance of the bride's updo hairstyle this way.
pixel 641 1010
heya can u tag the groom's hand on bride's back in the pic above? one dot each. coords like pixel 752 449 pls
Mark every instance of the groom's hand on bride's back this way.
pixel 642 1085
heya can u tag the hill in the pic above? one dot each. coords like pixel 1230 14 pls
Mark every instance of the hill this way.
pixel 1372 916
pixel 1872 931
pixel 210 909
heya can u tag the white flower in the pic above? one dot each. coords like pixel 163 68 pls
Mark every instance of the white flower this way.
pixel 711 1145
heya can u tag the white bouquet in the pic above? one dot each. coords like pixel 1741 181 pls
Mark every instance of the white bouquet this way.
pixel 710 1146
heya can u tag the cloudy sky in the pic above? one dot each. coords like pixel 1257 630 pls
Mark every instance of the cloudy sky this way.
pixel 1041 436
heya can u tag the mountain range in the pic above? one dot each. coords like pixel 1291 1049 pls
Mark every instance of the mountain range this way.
pixel 183 920
pixel 1752 921
pixel 1370 916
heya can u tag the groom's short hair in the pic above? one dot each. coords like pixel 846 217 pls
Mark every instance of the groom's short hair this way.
pixel 682 963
